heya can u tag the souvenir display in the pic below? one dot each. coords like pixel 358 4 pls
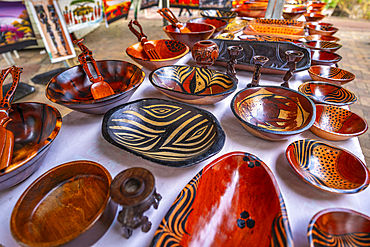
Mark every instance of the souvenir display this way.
pixel 149 3
pixel 116 9
pixel 204 53
pixel 330 74
pixel 219 24
pixel 293 57
pixel 322 45
pixel 319 57
pixel 219 14
pixel 259 61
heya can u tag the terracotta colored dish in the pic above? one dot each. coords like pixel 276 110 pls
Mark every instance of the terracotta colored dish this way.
pixel 322 45
pixel 219 14
pixel 322 37
pixel 321 30
pixel 273 113
pixel 249 207
pixel 337 124
pixel 35 126
pixel 314 16
pixel 68 205
pixel 166 132
pixel 219 24
pixel 71 88
pixel 327 167
pixel 330 74
pixel 324 58
pixel 192 85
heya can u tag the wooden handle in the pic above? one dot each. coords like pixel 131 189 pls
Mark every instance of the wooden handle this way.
pixel 140 35
pixel 169 16
pixel 6 101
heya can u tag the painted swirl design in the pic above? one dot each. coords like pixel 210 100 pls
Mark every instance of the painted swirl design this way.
pixel 336 73
pixel 280 230
pixel 333 94
pixel 327 45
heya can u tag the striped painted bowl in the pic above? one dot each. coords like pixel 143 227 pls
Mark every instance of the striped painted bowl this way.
pixel 322 45
pixel 330 74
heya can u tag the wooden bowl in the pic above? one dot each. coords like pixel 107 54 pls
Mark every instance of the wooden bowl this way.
pixel 251 208
pixel 35 126
pixel 321 30
pixel 71 88
pixel 337 124
pixel 330 74
pixel 192 85
pixel 170 52
pixel 219 14
pixel 219 24
pixel 322 37
pixel 322 25
pixel 68 205
pixel 293 13
pixel 313 17
pixel 322 45
pixel 327 167
pixel 319 57
pixel 273 113
pixel 339 225
pixel 165 132
pixel 327 93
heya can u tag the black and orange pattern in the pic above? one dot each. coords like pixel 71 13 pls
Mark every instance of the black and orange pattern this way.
pixel 280 22
pixel 333 118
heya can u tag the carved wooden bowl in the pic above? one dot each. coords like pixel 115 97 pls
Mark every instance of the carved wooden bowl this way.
pixel 219 24
pixel 71 88
pixel 330 74
pixel 327 93
pixel 327 167
pixel 68 205
pixel 322 37
pixel 322 45
pixel 273 113
pixel 166 132
pixel 323 25
pixel 192 85
pixel 170 52
pixel 314 16
pixel 251 9
pixel 319 57
pixel 219 14
pixel 293 13
pixel 339 225
pixel 337 124
pixel 250 207
pixel 35 126
pixel 321 30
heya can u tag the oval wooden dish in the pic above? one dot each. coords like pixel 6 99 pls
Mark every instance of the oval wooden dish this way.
pixel 324 58
pixel 192 85
pixel 233 201
pixel 219 14
pixel 321 30
pixel 165 132
pixel 322 45
pixel 327 167
pixel 321 37
pixel 313 17
pixel 35 126
pixel 219 24
pixel 69 205
pixel 330 74
pixel 273 113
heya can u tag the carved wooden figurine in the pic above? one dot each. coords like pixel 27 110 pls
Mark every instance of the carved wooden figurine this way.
pixel 205 53
pixel 259 61
pixel 233 51
pixel 293 57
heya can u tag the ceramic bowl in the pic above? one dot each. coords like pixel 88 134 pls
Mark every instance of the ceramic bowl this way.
pixel 337 124
pixel 330 74
pixel 68 205
pixel 327 167
pixel 321 30
pixel 219 14
pixel 71 88
pixel 319 57
pixel 170 52
pixel 192 85
pixel 313 16
pixel 219 24
pixel 322 45
pixel 327 93
pixel 322 37
pixel 35 126
pixel 273 113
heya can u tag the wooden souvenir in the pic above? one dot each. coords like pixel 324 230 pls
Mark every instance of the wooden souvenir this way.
pixel 293 13
pixel 316 7
pixel 219 14
pixel 322 37
pixel 268 38
pixel 227 36
pixel 252 9
pixel 293 57
pixel 234 52
pixel 204 53
pixel 259 61
pixel 169 16
pixel 219 24
pixel 275 27
pixel 321 30
pixel 313 16
pixel 322 45
pixel 236 26
pixel 330 74
pixel 324 58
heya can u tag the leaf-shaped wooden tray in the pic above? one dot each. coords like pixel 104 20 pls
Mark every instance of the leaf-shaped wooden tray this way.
pixel 166 132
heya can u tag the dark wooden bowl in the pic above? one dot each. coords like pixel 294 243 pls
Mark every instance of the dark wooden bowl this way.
pixel 343 226
pixel 327 167
pixel 273 113
pixel 327 93
pixel 68 205
pixel 337 124
pixel 322 45
pixel 250 205
pixel 166 132
pixel 251 9
pixel 219 24
pixel 322 37
pixel 71 88
pixel 192 85
pixel 293 12
pixel 170 52
pixel 323 25
pixel 321 30
pixel 320 57
pixel 330 74
pixel 219 14
pixel 35 126
pixel 314 16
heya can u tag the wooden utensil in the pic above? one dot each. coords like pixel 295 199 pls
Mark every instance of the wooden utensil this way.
pixel 169 16
pixel 99 88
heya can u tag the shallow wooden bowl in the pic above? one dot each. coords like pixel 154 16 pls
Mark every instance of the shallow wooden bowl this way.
pixel 273 113
pixel 293 13
pixel 71 88
pixel 251 208
pixel 327 167
pixel 330 74
pixel 319 57
pixel 35 126
pixel 219 24
pixel 322 37
pixel 314 16
pixel 192 85
pixel 323 25
pixel 322 45
pixel 68 205
pixel 321 30
pixel 165 132
pixel 170 52
pixel 219 14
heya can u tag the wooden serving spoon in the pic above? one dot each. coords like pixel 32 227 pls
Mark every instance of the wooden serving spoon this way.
pixel 169 16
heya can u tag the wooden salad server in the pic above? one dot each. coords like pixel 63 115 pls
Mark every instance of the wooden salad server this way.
pixel 99 88
pixel 169 16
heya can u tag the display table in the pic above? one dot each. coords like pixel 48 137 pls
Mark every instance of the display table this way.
pixel 80 138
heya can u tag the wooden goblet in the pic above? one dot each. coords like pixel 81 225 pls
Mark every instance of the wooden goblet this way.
pixel 293 57
pixel 259 61
pixel 234 52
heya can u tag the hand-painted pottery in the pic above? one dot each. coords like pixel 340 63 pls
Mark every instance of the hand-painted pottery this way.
pixel 219 14
pixel 337 124
pixel 227 36
pixel 235 26
pixel 233 201
pixel 324 58
pixel 68 205
pixel 327 93
pixel 330 74
pixel 192 85
pixel 322 45
pixel 321 30
pixel 273 113
pixel 166 132
pixel 279 22
pixel 339 227
pixel 35 126
pixel 321 37
pixel 204 53
pixel 314 16
pixel 219 24
pixel 71 88
pixel 327 167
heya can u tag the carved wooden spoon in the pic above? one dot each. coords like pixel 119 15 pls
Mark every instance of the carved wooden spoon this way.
pixel 169 16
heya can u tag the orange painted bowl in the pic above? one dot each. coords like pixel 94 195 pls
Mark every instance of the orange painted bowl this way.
pixel 316 7
pixel 293 13
pixel 170 52
pixel 314 16
pixel 322 45
pixel 219 24
pixel 322 37
pixel 327 93
pixel 330 74
pixel 323 25
pixel 35 126
pixel 273 113
pixel 219 14
pixel 327 167
pixel 251 9
pixel 69 205
pixel 192 85
pixel 321 30
pixel 334 123
pixel 71 88
pixel 319 57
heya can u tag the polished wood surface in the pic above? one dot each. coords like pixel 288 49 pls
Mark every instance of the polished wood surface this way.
pixel 322 45
pixel 219 24
pixel 204 53
pixel 330 74
pixel 322 37
pixel 251 9
pixel 321 30
pixel 324 58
